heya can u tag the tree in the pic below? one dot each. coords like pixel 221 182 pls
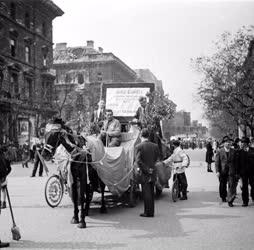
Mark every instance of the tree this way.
pixel 160 107
pixel 227 85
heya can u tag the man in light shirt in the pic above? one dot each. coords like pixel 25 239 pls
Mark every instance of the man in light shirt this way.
pixel 111 130
pixel 180 160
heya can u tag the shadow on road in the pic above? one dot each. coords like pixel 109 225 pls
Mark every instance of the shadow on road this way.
pixel 168 215
pixel 64 245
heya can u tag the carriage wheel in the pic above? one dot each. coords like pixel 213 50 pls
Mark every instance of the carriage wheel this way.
pixel 54 191
pixel 175 190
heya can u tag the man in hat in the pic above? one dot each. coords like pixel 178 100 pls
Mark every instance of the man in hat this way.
pixel 226 170
pixel 246 170
pixel 146 155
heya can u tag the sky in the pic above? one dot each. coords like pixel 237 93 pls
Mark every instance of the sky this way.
pixel 160 35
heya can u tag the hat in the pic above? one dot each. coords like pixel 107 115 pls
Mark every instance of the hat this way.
pixel 58 120
pixel 145 133
pixel 226 139
pixel 245 140
pixel 176 143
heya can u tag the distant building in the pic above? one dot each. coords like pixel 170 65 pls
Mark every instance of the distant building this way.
pixel 82 70
pixel 181 125
pixel 147 76
pixel 26 75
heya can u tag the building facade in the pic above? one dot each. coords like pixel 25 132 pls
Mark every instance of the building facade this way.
pixel 146 75
pixel 182 126
pixel 80 73
pixel 26 75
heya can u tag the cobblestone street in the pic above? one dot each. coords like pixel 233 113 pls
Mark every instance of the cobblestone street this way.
pixel 201 222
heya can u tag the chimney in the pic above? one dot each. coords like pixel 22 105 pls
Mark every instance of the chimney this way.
pixel 61 46
pixel 100 49
pixel 90 44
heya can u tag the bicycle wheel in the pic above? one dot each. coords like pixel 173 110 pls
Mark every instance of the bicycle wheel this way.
pixel 54 191
pixel 175 191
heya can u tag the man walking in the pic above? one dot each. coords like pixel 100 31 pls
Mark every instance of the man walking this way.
pixel 146 155
pixel 246 170
pixel 225 165
pixel 37 161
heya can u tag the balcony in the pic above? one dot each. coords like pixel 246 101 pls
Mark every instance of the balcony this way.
pixel 48 73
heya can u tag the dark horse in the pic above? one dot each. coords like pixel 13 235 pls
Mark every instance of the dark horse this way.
pixel 80 167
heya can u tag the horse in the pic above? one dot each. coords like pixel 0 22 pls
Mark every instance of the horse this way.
pixel 80 170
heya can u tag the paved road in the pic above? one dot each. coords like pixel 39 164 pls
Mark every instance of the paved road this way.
pixel 202 222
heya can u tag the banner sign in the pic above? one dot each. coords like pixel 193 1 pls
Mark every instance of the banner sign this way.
pixel 124 101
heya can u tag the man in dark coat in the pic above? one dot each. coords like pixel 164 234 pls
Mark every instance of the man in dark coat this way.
pixel 37 161
pixel 5 169
pixel 146 155
pixel 209 155
pixel 97 117
pixel 225 165
pixel 246 170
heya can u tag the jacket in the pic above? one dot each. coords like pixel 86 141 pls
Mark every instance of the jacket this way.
pixel 180 160
pixel 246 162
pixel 146 155
pixel 226 165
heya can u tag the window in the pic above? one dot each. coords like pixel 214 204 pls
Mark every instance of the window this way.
pixel 44 29
pixel 80 79
pixel 27 54
pixel 15 85
pixel 99 76
pixel 44 60
pixel 13 45
pixel 27 20
pixel 29 88
pixel 13 11
pixel 47 91
pixel 44 51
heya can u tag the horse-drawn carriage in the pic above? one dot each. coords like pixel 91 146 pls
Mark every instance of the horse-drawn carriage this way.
pixel 83 162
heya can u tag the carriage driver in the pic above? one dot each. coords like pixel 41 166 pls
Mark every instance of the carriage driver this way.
pixel 111 130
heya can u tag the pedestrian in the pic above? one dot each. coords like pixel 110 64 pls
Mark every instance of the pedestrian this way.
pixel 209 155
pixel 6 156
pixel 180 160
pixel 146 155
pixel 225 168
pixel 37 160
pixel 4 169
pixel 25 155
pixel 246 170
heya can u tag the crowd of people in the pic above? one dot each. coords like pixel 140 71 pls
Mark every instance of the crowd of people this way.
pixel 234 161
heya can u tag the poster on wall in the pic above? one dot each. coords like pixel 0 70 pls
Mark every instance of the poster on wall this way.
pixel 23 132
pixel 124 101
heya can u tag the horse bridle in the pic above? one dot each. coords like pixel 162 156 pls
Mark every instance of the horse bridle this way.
pixel 50 148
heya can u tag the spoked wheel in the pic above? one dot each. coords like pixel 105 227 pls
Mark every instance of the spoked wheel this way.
pixel 175 190
pixel 54 191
